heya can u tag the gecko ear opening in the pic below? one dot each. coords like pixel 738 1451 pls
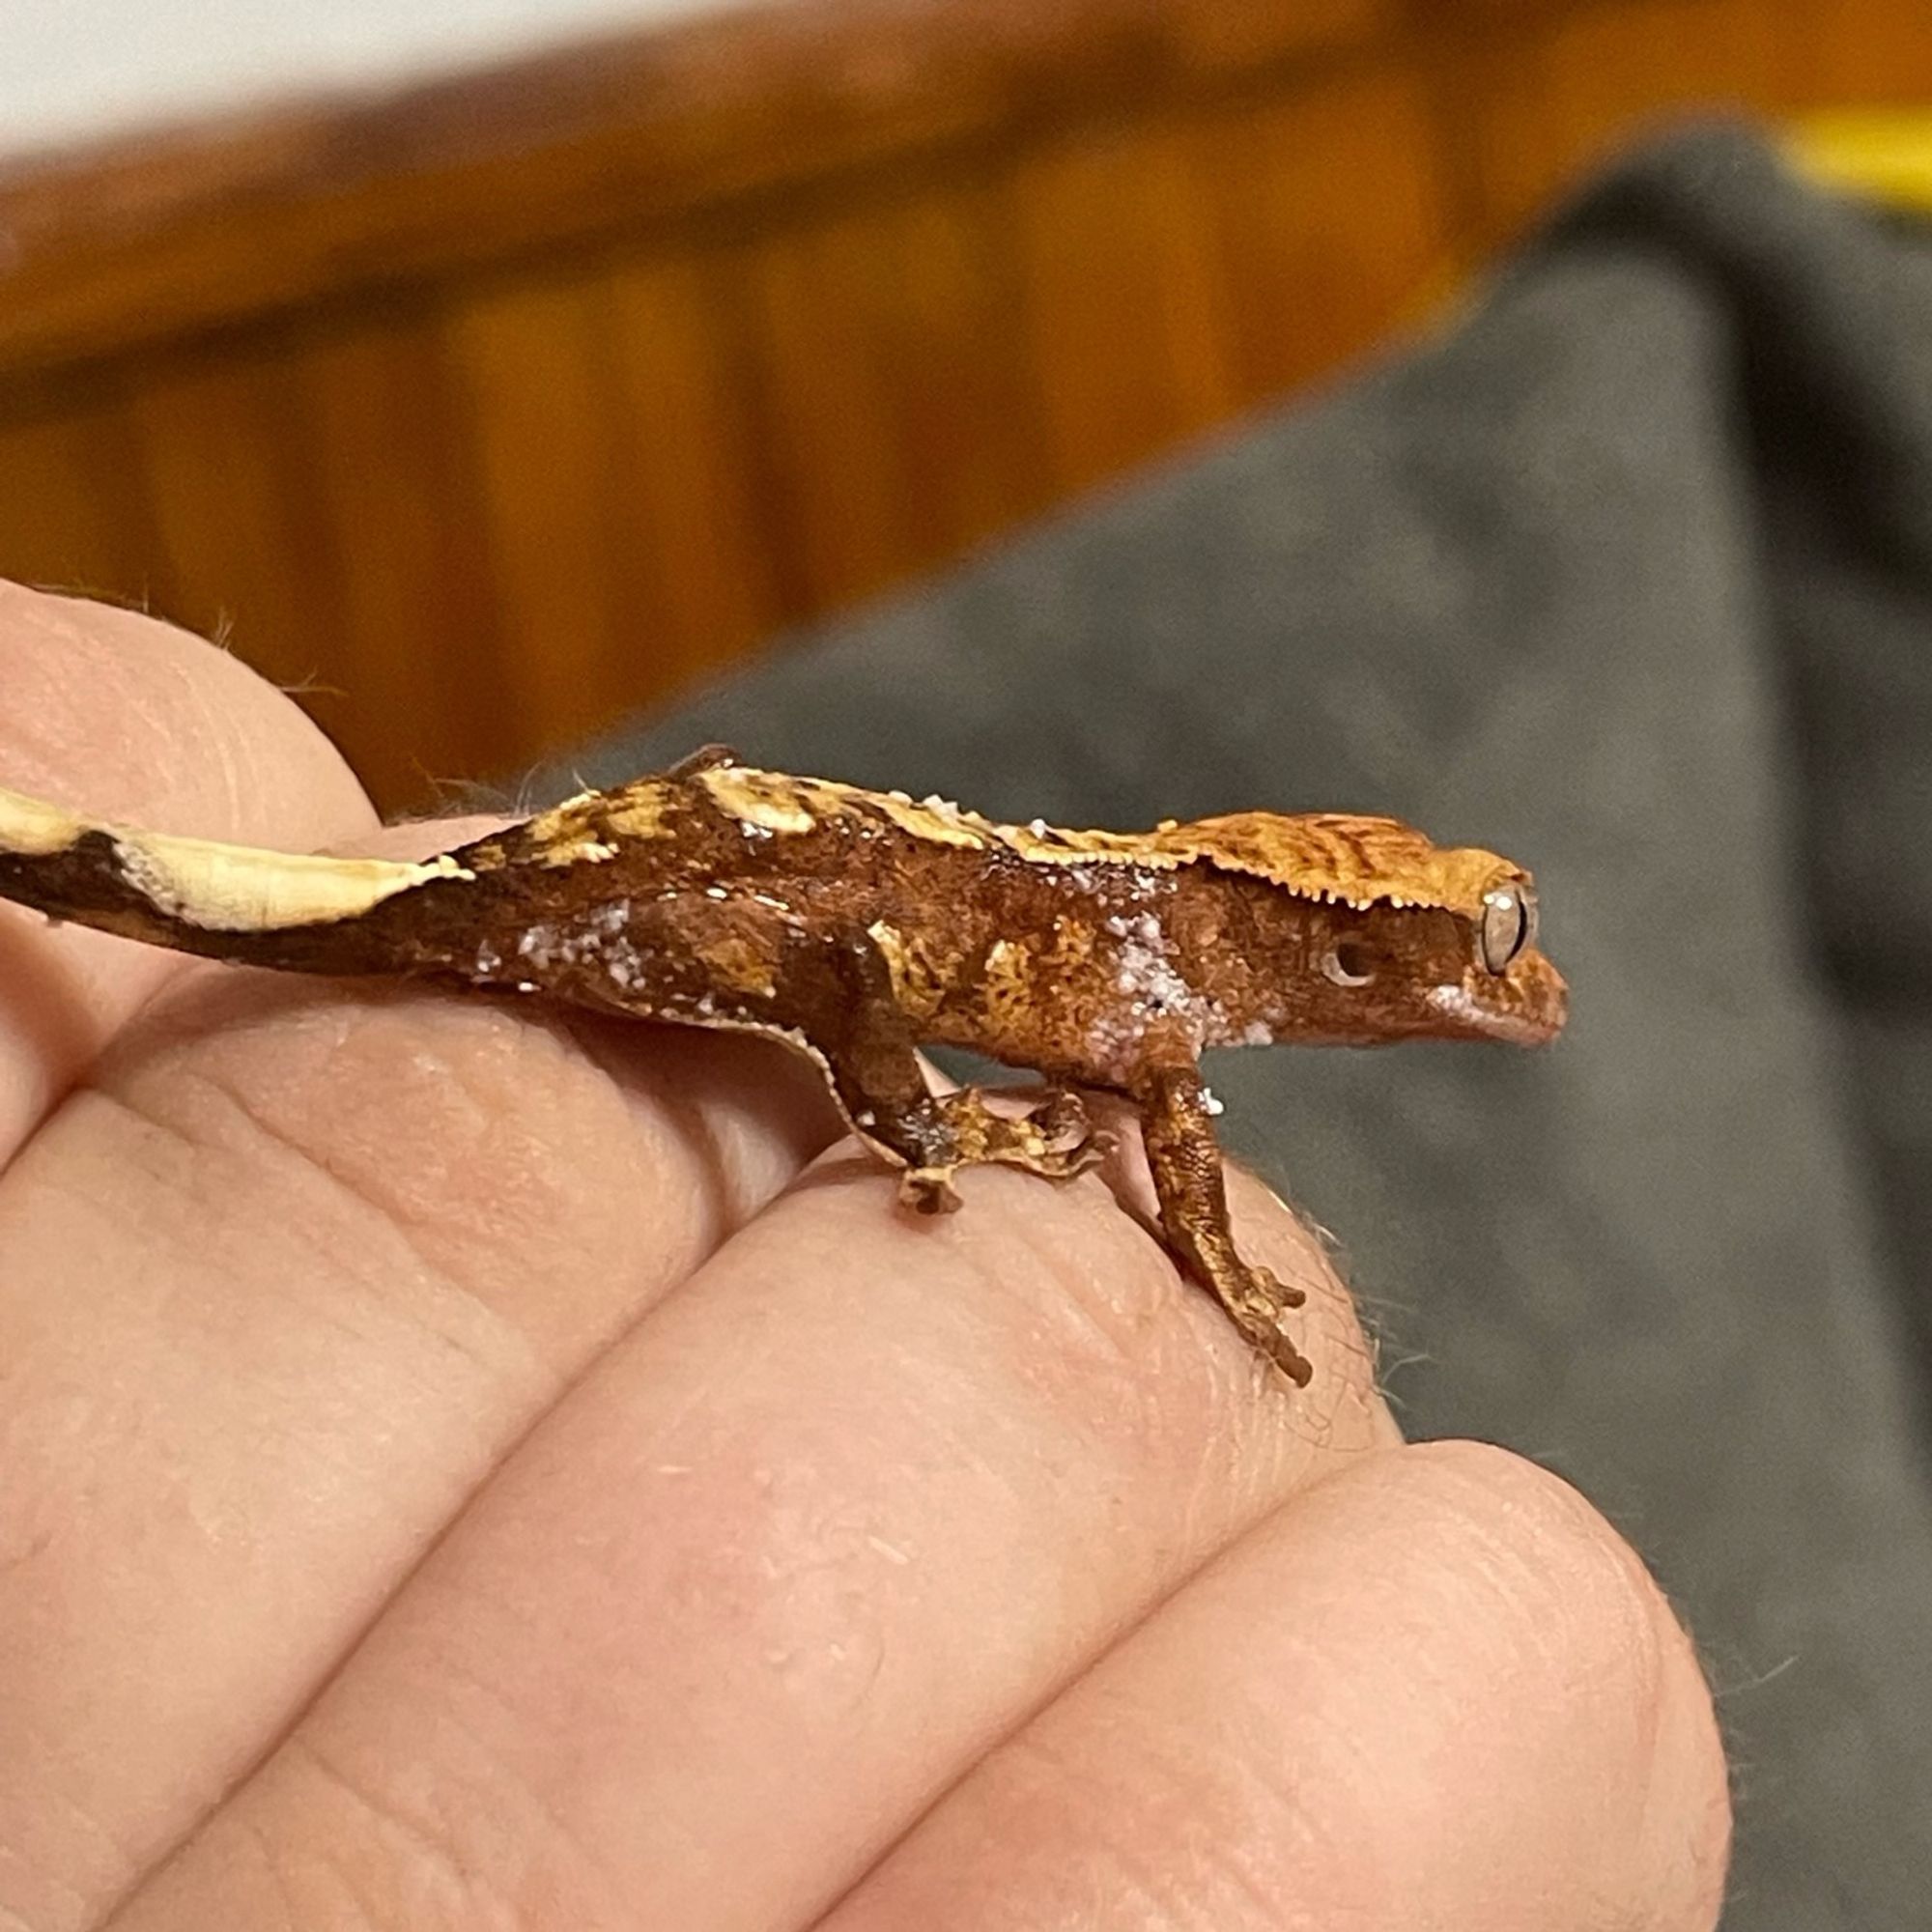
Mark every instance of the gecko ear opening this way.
pixel 1508 924
pixel 1348 963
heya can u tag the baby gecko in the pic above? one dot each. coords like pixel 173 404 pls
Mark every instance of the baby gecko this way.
pixel 857 925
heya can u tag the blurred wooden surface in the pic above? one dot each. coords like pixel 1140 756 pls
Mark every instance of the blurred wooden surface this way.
pixel 490 411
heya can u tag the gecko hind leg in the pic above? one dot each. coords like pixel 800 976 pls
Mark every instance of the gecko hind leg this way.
pixel 1185 1161
pixel 874 1061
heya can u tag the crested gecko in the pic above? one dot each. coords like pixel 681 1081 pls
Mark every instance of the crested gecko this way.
pixel 857 925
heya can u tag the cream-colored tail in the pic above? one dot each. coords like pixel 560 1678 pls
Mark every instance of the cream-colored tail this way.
pixel 195 895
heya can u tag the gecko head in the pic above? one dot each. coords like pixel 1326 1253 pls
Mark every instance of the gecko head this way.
pixel 1469 971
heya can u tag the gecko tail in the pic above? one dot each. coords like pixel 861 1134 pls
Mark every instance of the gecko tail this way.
pixel 197 896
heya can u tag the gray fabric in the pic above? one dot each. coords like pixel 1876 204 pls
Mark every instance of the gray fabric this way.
pixel 1631 578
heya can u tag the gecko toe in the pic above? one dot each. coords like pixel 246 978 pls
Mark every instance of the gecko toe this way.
pixel 1289 1359
pixel 1259 1311
pixel 929 1190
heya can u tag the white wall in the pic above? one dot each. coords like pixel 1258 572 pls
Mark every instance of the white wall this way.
pixel 73 70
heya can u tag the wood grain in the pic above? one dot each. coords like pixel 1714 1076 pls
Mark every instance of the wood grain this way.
pixel 69 517
pixel 692 453
pixel 1328 221
pixel 1865 52
pixel 1125 317
pixel 1560 97
pixel 117 248
pixel 490 412
pixel 536 370
pixel 404 523
pixel 225 465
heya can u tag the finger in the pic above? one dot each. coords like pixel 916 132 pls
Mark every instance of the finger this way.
pixel 845 1509
pixel 1437 1691
pixel 276 1290
pixel 127 719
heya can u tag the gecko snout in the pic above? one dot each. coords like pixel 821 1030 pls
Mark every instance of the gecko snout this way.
pixel 1525 1005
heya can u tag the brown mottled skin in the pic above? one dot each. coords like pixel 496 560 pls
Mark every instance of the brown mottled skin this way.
pixel 858 925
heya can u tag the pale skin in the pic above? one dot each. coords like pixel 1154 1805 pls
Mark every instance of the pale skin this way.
pixel 462 1467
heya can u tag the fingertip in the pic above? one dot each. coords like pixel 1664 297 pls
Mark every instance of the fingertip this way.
pixel 1577 1636
pixel 131 718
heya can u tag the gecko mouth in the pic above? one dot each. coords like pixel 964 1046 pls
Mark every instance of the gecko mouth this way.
pixel 1526 1007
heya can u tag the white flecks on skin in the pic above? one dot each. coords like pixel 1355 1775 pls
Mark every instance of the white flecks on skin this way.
pixel 1220 1029
pixel 716 893
pixel 601 942
pixel 1154 994
pixel 488 960
pixel 1457 1003
pixel 1145 971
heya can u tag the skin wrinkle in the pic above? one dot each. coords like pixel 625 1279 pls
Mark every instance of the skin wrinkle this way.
pixel 359 1195
pixel 51 1881
pixel 1143 1868
pixel 489 1072
pixel 391 1217
pixel 266 1858
pixel 1111 1326
pixel 431 1852
pixel 201 1152
pixel 47 1012
pixel 660 1070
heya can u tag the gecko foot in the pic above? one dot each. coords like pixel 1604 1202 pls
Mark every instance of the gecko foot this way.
pixel 1054 1138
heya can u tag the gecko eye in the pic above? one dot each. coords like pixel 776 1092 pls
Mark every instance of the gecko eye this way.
pixel 1508 925
pixel 1348 963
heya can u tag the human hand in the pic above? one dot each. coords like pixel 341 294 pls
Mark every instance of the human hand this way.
pixel 462 1465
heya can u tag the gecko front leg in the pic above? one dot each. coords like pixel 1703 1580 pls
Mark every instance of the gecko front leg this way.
pixel 873 1063
pixel 1185 1160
